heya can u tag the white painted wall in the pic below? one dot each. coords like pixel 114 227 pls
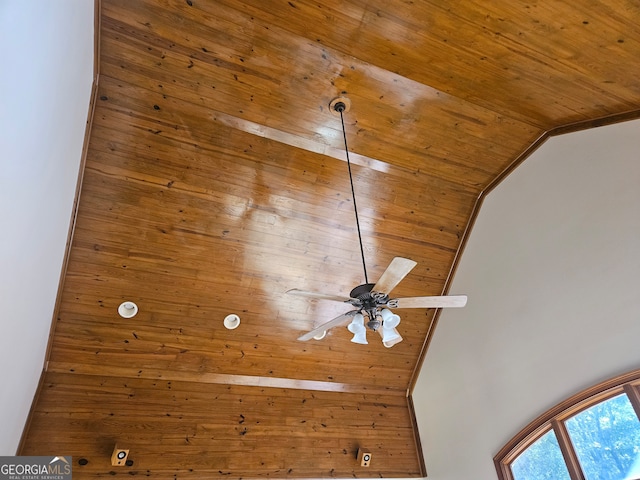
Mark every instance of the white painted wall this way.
pixel 46 53
pixel 552 270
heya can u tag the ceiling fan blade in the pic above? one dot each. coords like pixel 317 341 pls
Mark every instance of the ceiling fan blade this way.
pixel 393 275
pixel 429 302
pixel 317 296
pixel 326 326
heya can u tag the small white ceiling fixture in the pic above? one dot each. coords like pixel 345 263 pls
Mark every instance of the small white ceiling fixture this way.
pixel 231 321
pixel 127 309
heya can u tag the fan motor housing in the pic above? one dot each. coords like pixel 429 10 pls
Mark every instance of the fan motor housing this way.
pixel 367 298
pixel 369 302
pixel 361 290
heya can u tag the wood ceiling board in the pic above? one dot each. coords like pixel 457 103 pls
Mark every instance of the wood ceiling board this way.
pixel 462 163
pixel 538 63
pixel 215 181
pixel 173 279
pixel 438 197
pixel 202 429
pixel 383 102
pixel 165 337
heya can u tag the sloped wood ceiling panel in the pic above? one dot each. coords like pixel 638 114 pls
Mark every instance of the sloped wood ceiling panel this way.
pixel 216 180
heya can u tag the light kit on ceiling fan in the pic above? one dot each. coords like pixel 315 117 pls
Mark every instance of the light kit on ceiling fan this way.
pixel 371 301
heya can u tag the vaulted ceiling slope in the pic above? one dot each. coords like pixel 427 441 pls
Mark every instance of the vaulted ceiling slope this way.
pixel 215 181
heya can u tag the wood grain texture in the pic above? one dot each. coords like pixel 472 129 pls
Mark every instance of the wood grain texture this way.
pixel 206 431
pixel 215 181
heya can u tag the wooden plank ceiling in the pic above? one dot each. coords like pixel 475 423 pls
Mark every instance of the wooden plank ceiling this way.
pixel 215 181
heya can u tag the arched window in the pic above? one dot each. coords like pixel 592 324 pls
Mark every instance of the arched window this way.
pixel 594 435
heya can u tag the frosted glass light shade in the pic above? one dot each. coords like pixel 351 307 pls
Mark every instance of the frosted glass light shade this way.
pixel 389 319
pixel 389 335
pixel 357 323
pixel 391 338
pixel 358 329
pixel 360 337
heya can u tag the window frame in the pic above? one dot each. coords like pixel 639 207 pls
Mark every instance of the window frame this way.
pixel 554 418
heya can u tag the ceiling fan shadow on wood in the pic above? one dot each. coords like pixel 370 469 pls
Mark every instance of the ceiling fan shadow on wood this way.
pixel 372 304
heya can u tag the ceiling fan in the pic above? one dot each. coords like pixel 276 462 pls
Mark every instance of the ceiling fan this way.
pixel 371 301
